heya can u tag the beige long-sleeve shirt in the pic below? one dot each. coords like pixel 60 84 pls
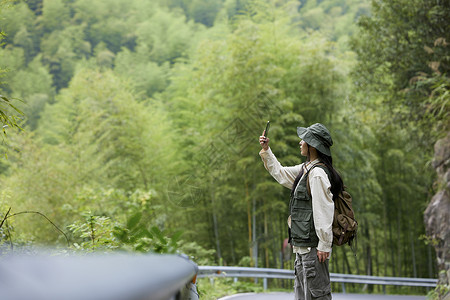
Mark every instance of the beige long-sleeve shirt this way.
pixel 322 198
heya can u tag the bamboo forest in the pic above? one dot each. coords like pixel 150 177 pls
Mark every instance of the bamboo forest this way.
pixel 133 125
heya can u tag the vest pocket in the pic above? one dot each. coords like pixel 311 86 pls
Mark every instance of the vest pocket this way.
pixel 301 224
pixel 300 193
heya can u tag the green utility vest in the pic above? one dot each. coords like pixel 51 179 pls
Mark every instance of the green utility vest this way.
pixel 303 232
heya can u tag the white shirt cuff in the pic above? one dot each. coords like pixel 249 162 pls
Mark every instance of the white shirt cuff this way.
pixel 324 247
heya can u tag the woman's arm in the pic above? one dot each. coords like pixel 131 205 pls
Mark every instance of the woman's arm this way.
pixel 323 208
pixel 284 175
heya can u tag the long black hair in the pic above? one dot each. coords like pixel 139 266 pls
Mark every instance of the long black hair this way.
pixel 337 185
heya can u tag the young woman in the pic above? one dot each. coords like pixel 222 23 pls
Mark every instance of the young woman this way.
pixel 311 208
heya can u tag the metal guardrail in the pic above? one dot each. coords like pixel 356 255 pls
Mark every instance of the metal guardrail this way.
pixel 265 273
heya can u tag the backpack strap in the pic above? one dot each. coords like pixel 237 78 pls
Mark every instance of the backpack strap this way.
pixel 308 187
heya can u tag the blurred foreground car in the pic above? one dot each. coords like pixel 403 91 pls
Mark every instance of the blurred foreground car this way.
pixel 97 277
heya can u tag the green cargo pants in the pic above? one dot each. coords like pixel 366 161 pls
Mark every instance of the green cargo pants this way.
pixel 312 278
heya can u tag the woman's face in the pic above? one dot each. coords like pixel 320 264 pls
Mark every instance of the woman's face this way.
pixel 303 148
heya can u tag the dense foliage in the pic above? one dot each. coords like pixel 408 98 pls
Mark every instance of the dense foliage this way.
pixel 143 117
pixel 8 111
pixel 403 56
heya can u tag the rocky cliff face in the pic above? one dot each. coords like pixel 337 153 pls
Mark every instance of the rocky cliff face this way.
pixel 437 214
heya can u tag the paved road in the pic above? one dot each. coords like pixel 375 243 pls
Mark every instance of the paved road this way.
pixel 290 296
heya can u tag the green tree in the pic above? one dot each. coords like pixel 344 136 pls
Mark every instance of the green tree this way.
pixel 61 50
pixel 335 18
pixel 90 137
pixel 204 11
pixel 147 76
pixel 112 22
pixel 15 18
pixel 166 36
pixel 402 55
pixel 55 15
pixel 8 111
pixel 33 83
pixel 397 43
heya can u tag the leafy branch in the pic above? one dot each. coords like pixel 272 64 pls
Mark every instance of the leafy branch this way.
pixel 6 119
pixel 7 216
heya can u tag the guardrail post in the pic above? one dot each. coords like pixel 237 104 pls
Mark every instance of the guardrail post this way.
pixel 265 283
pixel 343 287
pixel 235 279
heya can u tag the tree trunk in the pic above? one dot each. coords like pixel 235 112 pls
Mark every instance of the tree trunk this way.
pixel 254 241
pixel 413 253
pixel 399 240
pixel 385 235
pixel 335 261
pixel 391 244
pixel 347 264
pixel 356 262
pixel 266 238
pixel 386 224
pixel 275 242
pixel 430 262
pixel 249 220
pixel 233 252
pixel 216 229
pixel 369 256
pixel 376 268
pixel 335 264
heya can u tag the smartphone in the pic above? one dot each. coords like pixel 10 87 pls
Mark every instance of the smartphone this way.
pixel 266 132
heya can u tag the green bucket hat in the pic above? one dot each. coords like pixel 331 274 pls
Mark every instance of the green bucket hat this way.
pixel 318 136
